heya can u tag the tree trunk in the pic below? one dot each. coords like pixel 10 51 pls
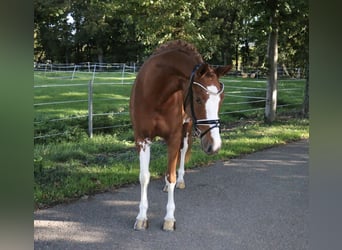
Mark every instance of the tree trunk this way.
pixel 100 54
pixel 285 70
pixel 305 110
pixel 236 58
pixel 272 83
pixel 227 58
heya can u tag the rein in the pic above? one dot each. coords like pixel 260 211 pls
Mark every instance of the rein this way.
pixel 195 121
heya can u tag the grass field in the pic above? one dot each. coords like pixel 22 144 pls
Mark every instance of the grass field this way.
pixel 63 98
pixel 70 166
pixel 51 88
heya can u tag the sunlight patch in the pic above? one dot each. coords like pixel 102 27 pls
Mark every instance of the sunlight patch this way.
pixel 73 231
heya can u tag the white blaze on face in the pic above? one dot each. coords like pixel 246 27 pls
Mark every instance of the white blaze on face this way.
pixel 212 107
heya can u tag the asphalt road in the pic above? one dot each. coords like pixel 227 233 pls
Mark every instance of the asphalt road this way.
pixel 258 201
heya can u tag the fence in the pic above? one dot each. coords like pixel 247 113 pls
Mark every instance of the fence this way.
pixel 71 70
pixel 60 81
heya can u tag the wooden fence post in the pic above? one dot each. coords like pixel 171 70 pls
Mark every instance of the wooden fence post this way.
pixel 73 72
pixel 90 104
pixel 123 73
pixel 90 109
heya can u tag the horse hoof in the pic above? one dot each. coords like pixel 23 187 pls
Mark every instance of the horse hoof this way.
pixel 180 185
pixel 169 225
pixel 140 225
pixel 165 189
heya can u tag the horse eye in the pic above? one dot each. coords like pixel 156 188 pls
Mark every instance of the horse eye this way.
pixel 198 100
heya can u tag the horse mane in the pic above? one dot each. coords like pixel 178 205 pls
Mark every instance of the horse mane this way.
pixel 181 45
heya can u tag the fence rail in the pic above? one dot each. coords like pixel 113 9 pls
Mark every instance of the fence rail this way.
pixel 87 75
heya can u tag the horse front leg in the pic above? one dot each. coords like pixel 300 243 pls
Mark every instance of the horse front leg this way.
pixel 170 179
pixel 141 222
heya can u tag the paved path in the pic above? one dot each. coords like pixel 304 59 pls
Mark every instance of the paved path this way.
pixel 259 201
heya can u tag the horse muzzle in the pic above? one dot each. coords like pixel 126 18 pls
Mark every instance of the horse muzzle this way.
pixel 211 142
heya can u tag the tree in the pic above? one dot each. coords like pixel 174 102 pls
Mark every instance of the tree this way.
pixel 224 24
pixel 92 29
pixel 294 40
pixel 159 21
pixel 305 108
pixel 272 56
pixel 114 30
pixel 283 26
pixel 50 29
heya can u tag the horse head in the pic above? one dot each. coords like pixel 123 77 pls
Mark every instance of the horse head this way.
pixel 206 94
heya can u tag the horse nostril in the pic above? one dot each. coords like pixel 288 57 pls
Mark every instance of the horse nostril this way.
pixel 210 149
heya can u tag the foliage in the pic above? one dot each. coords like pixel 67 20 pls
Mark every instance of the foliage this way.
pixel 291 21
pixel 128 30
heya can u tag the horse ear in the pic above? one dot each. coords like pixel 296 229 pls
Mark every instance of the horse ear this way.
pixel 221 71
pixel 202 70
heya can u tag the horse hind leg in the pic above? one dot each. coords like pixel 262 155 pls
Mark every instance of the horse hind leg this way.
pixel 183 155
pixel 180 183
pixel 141 222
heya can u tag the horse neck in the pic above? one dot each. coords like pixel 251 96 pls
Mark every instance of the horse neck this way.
pixel 175 76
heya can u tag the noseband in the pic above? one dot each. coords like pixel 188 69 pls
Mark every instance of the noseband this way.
pixel 195 121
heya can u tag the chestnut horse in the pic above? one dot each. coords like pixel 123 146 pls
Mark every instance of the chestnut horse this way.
pixel 174 92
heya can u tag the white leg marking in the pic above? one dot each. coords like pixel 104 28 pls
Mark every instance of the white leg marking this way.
pixel 170 207
pixel 211 107
pixel 180 179
pixel 144 177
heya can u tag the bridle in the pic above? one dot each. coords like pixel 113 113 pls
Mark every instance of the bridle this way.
pixel 195 121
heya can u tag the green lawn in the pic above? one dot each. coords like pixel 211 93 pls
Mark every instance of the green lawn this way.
pixel 111 98
pixel 68 170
